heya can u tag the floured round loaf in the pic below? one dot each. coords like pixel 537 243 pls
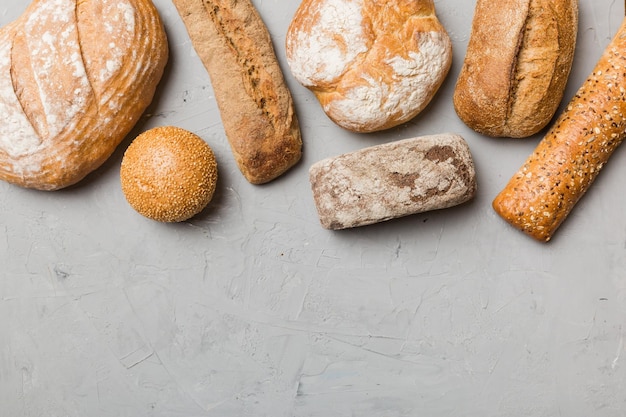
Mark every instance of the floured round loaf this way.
pixel 393 180
pixel 75 76
pixel 371 65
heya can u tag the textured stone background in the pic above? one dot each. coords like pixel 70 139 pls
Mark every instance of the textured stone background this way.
pixel 252 309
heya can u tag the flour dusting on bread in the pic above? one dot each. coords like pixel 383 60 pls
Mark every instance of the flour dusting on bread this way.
pixel 75 76
pixel 321 59
pixel 17 135
pixel 412 81
pixel 371 65
pixel 57 50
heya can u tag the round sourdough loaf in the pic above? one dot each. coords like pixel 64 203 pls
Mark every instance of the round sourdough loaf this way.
pixel 372 65
pixel 75 77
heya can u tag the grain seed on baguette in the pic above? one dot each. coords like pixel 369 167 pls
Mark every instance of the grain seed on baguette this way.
pixel 539 197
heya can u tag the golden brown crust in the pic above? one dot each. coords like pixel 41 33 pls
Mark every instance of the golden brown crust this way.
pixel 516 66
pixel 75 76
pixel 372 65
pixel 168 174
pixel 254 102
pixel 565 163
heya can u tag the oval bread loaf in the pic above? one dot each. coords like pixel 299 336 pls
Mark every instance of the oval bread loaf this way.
pixel 540 196
pixel 516 66
pixel 75 77
pixel 255 104
pixel 372 65
pixel 393 180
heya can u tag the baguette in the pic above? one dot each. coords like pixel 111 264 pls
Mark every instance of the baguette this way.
pixel 516 66
pixel 565 163
pixel 393 180
pixel 255 104
pixel 75 76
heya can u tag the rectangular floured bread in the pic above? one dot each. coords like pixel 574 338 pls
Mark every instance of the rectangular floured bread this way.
pixel 255 104
pixel 393 180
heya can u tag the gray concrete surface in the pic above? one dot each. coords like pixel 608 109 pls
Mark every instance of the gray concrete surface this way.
pixel 252 309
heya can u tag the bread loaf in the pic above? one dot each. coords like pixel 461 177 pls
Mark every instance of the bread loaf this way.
pixel 516 66
pixel 75 76
pixel 563 166
pixel 393 180
pixel 255 104
pixel 168 174
pixel 372 65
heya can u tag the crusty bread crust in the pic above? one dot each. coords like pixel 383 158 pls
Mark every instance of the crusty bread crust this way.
pixel 255 104
pixel 566 162
pixel 516 66
pixel 75 77
pixel 372 65
pixel 393 180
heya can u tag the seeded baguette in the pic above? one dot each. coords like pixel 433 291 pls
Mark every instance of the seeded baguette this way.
pixel 565 163
pixel 255 105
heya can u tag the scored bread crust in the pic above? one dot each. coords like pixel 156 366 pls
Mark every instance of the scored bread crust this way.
pixel 372 65
pixel 255 104
pixel 75 77
pixel 516 66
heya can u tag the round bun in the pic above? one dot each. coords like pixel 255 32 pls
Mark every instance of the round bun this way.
pixel 168 174
pixel 371 65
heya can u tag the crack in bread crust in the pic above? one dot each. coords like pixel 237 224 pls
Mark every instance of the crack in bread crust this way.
pixel 372 65
pixel 258 82
pixel 516 65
